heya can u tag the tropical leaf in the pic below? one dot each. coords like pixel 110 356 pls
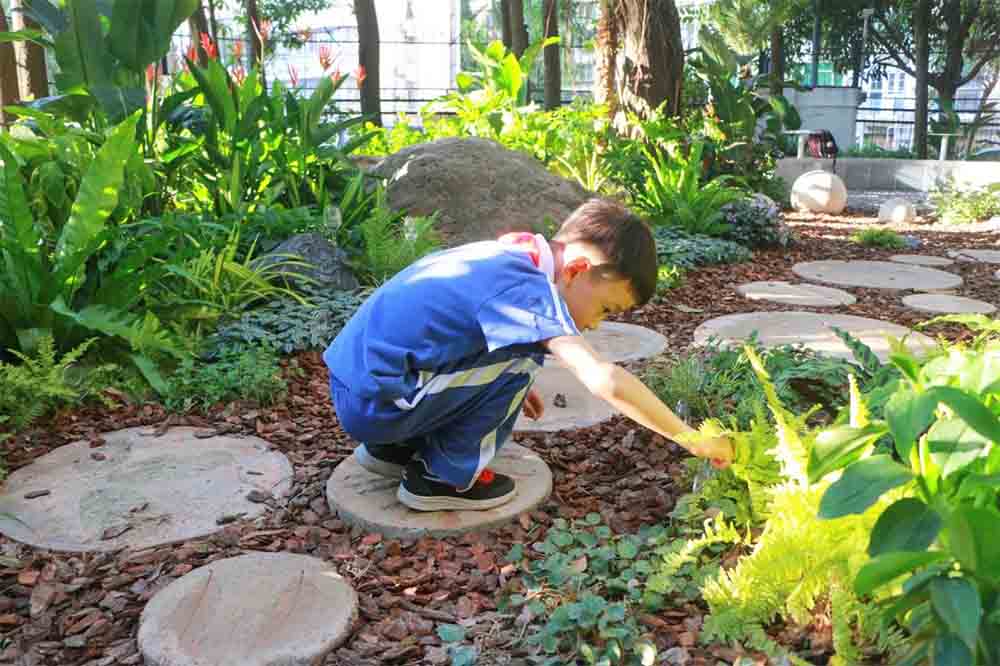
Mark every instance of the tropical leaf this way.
pixel 95 201
pixel 141 29
pixel 80 50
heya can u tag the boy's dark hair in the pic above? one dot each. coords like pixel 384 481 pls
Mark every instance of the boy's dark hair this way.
pixel 621 236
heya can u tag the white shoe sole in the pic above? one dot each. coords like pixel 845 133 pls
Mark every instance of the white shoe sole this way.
pixel 376 466
pixel 418 503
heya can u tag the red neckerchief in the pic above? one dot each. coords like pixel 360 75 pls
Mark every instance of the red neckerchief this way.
pixel 525 241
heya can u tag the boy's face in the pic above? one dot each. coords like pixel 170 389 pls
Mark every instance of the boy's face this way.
pixel 590 296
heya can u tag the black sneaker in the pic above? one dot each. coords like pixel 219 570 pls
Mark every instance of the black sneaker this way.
pixel 422 492
pixel 388 460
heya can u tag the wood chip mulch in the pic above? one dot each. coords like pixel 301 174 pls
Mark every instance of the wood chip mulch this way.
pixel 59 608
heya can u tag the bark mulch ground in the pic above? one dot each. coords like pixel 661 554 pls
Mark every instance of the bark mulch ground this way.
pixel 58 608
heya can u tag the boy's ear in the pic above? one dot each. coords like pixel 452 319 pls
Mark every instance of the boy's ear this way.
pixel 577 266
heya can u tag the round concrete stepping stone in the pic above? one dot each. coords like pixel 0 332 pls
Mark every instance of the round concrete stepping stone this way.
pixel 140 490
pixel 947 304
pixel 810 329
pixel 568 403
pixel 877 275
pixel 618 342
pixel 369 500
pixel 259 609
pixel 921 260
pixel 795 294
pixel 983 256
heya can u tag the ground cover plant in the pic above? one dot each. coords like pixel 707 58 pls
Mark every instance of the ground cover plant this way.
pixel 957 204
pixel 884 238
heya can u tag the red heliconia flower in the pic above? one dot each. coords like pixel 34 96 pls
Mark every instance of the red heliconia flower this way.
pixel 151 72
pixel 192 53
pixel 293 75
pixel 237 52
pixel 239 74
pixel 360 74
pixel 325 57
pixel 208 46
pixel 336 76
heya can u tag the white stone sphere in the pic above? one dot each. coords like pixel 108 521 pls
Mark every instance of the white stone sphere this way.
pixel 819 192
pixel 897 211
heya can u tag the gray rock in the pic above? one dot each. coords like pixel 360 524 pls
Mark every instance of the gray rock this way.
pixel 327 268
pixel 912 242
pixel 479 188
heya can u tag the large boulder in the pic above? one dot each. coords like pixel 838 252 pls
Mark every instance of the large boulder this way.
pixel 819 192
pixel 479 188
pixel 327 267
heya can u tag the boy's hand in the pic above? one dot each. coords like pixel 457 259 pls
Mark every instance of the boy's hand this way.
pixel 718 449
pixel 533 406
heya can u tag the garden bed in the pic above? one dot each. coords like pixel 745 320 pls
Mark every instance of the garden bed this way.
pixel 84 609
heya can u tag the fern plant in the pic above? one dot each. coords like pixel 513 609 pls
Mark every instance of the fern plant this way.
pixel 392 242
pixel 44 381
pixel 674 193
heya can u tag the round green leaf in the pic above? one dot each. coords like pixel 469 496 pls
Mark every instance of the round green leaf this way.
pixel 861 485
pixel 956 602
pixel 909 413
pixel 973 540
pixel 886 568
pixel 907 525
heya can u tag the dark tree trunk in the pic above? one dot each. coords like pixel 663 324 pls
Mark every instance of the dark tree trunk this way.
pixel 608 43
pixel 8 74
pixel 33 74
pixel 921 27
pixel 777 75
pixel 256 40
pixel 508 36
pixel 198 25
pixel 553 63
pixel 368 58
pixel 518 32
pixel 654 56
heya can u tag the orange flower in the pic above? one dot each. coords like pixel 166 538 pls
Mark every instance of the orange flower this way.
pixel 360 74
pixel 293 75
pixel 239 74
pixel 192 53
pixel 237 51
pixel 325 57
pixel 336 76
pixel 208 46
pixel 151 72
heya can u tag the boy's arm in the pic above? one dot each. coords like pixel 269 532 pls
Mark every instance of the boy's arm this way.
pixel 625 392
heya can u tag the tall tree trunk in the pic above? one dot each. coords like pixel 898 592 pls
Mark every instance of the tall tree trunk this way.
pixel 368 58
pixel 518 32
pixel 8 74
pixel 198 25
pixel 654 56
pixel 921 27
pixel 777 74
pixel 255 38
pixel 608 42
pixel 33 75
pixel 505 26
pixel 553 62
pixel 213 23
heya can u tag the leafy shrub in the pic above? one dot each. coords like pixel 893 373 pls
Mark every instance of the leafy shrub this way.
pixel 884 238
pixel 288 324
pixel 756 222
pixel 675 247
pixel 873 150
pixel 939 482
pixel 675 194
pixel 965 205
pixel 252 373
pixel 216 284
pixel 45 381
